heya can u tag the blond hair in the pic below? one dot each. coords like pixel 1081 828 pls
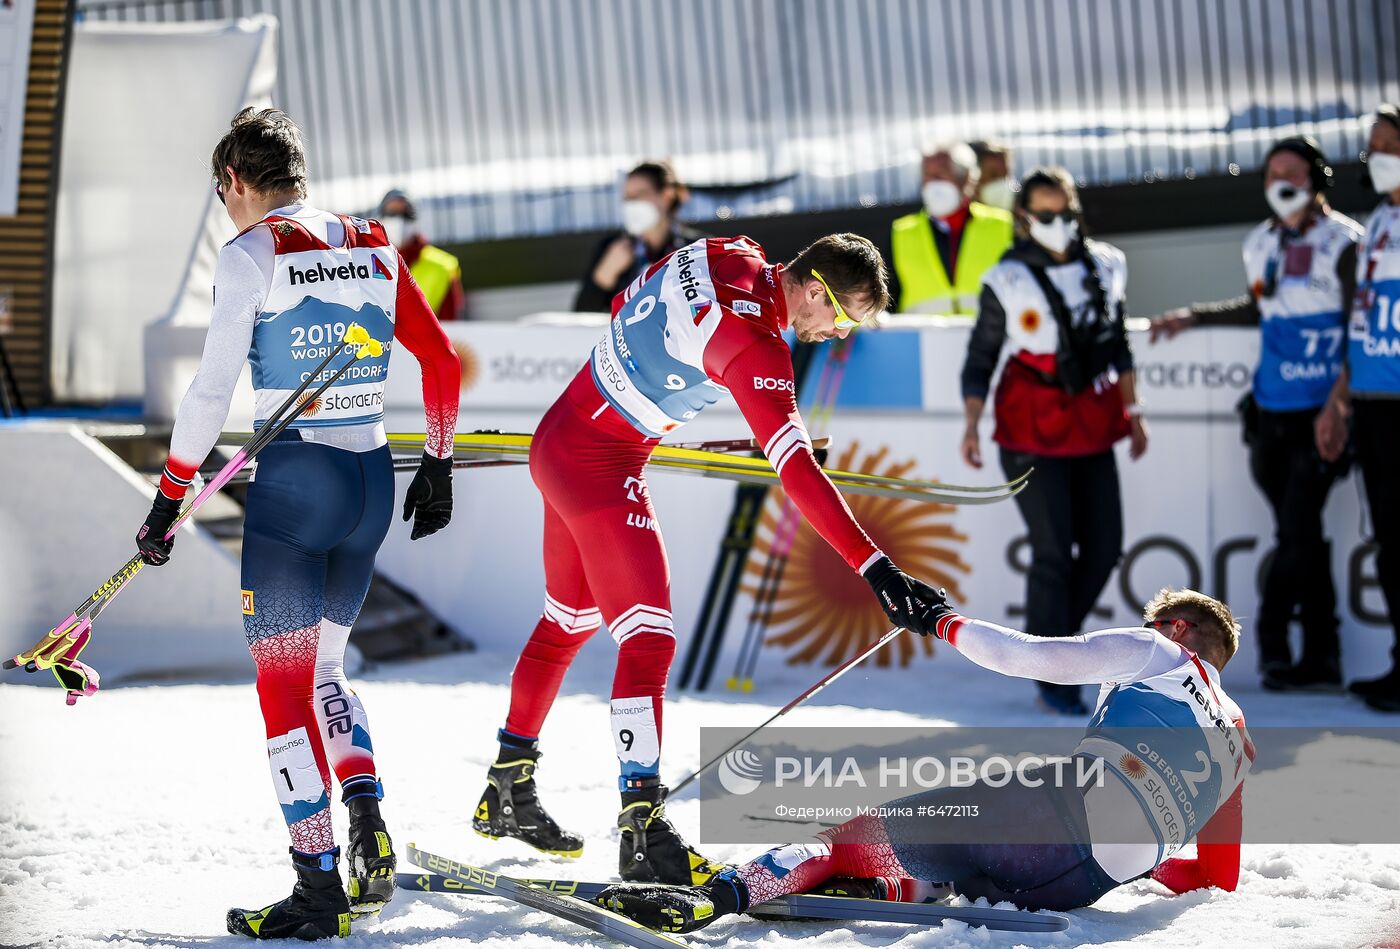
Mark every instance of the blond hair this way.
pixel 1214 620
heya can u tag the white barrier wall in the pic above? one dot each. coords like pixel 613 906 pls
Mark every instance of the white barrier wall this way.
pixel 1192 514
pixel 69 511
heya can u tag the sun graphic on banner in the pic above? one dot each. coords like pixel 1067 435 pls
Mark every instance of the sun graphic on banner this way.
pixel 822 610
pixel 470 363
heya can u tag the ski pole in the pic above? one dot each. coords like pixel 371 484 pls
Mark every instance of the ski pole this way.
pixel 830 678
pixel 740 444
pixel 65 641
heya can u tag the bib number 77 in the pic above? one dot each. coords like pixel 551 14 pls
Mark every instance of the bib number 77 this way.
pixel 1333 336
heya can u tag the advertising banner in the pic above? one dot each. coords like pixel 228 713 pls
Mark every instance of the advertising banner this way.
pixel 1192 515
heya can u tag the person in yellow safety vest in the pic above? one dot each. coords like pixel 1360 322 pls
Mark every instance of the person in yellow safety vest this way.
pixel 952 234
pixel 437 272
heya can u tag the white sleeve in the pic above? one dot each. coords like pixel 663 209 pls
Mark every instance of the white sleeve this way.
pixel 1109 655
pixel 240 287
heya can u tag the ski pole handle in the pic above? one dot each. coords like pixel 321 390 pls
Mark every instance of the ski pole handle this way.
pixel 831 677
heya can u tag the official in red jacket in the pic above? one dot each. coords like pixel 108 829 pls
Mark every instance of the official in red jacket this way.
pixel 1067 395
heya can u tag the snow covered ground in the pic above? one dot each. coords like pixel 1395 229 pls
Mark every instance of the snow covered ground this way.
pixel 138 817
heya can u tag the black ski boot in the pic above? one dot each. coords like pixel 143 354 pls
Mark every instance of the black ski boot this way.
pixel 317 908
pixel 510 805
pixel 652 851
pixel 675 909
pixel 370 882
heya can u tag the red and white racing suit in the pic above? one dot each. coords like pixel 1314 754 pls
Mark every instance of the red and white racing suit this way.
pixel 701 322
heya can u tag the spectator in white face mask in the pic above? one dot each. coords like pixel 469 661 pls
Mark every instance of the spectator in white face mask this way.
pixel 651 197
pixel 996 185
pixel 1067 394
pixel 1300 270
pixel 941 252
pixel 438 273
pixel 1366 397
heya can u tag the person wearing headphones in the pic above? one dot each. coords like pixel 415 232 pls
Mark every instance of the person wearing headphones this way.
pixel 1300 267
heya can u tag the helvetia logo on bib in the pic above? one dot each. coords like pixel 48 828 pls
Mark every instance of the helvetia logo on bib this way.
pixel 740 771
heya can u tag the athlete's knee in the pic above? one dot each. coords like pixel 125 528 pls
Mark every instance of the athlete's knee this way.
pixel 285 664
pixel 639 619
pixel 566 622
pixel 649 647
pixel 644 664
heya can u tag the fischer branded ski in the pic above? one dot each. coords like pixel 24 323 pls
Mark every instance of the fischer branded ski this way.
pixel 795 906
pixel 550 900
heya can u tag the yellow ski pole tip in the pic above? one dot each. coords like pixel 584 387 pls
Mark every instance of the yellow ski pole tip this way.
pixel 373 348
pixel 356 334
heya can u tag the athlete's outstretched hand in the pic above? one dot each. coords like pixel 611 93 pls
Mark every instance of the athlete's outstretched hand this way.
pixel 429 498
pixel 908 602
pixel 150 539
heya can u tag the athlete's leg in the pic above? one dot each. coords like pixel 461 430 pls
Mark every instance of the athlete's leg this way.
pixel 625 563
pixel 568 620
pixel 344 726
pixel 284 570
pixel 368 482
pixel 510 805
pixel 858 848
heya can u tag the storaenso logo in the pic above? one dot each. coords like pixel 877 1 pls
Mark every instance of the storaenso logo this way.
pixel 321 272
pixel 1193 375
pixel 281 748
pixel 335 401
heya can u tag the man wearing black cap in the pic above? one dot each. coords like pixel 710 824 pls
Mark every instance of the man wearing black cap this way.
pixel 437 272
pixel 1300 264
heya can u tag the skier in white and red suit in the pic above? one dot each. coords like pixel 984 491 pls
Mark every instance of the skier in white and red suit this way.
pixel 702 322
pixel 1166 755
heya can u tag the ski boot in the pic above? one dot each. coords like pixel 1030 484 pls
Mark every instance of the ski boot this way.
pixel 651 849
pixel 370 882
pixel 510 805
pixel 675 909
pixel 317 908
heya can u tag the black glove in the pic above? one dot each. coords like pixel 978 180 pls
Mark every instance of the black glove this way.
pixel 909 603
pixel 429 498
pixel 150 539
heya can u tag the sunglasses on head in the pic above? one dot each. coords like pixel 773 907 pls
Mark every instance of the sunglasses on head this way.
pixel 219 193
pixel 844 321
pixel 1049 217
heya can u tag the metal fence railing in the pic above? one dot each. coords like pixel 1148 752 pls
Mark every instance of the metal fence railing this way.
pixel 516 117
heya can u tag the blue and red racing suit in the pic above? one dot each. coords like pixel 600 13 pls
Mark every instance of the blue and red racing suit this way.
pixel 319 506
pixel 1172 752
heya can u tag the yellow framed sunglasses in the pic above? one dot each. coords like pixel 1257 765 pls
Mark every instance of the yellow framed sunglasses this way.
pixel 844 321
